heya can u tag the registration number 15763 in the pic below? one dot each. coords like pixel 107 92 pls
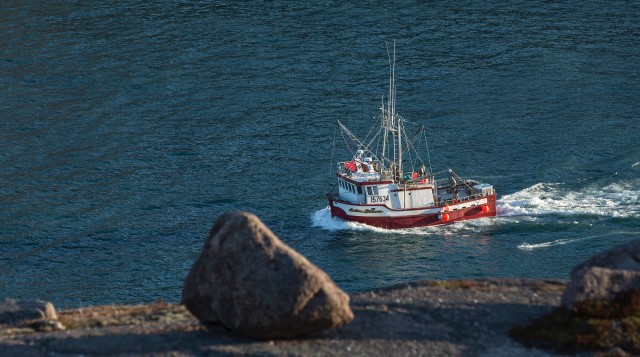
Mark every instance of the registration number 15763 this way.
pixel 379 199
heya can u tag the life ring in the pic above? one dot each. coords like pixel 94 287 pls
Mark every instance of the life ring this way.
pixel 485 209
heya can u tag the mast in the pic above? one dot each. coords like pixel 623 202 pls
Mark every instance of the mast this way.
pixel 386 132
pixel 399 122
pixel 393 122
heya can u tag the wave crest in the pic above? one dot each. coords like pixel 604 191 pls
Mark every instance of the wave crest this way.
pixel 620 199
pixel 563 241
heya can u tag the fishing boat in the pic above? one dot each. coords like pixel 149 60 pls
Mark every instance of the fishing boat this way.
pixel 387 184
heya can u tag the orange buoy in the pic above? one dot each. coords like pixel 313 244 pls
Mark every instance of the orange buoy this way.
pixel 485 209
pixel 445 217
pixel 414 175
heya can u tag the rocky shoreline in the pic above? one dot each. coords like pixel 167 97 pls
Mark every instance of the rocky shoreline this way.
pixel 435 318
pixel 248 293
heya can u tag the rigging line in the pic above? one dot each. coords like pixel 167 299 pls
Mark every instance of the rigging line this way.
pixel 369 133
pixel 371 130
pixel 332 150
pixel 346 142
pixel 410 146
pixel 410 142
pixel 416 134
pixel 378 147
pixel 353 137
pixel 426 144
pixel 371 142
pixel 460 179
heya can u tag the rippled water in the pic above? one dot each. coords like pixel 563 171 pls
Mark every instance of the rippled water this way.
pixel 126 129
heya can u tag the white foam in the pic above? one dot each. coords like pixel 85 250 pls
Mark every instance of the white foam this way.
pixel 322 218
pixel 620 199
pixel 526 246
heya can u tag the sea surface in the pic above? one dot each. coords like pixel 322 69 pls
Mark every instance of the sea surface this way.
pixel 128 127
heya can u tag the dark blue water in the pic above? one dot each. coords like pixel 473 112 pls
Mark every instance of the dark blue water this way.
pixel 126 129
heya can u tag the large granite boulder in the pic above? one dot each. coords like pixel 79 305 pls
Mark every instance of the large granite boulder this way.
pixel 605 275
pixel 250 282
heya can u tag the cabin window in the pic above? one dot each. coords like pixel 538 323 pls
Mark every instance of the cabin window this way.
pixel 375 190
pixel 359 190
pixel 369 192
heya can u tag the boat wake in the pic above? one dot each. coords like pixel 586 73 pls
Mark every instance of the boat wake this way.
pixel 526 246
pixel 322 218
pixel 620 200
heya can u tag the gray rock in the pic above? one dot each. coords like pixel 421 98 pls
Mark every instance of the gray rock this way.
pixel 250 282
pixel 597 283
pixel 605 275
pixel 28 312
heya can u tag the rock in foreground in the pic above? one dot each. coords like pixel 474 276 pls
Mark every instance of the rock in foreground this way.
pixel 600 308
pixel 611 327
pixel 429 318
pixel 605 275
pixel 34 315
pixel 250 282
pixel 15 312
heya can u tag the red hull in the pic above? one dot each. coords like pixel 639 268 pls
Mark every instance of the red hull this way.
pixel 422 220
